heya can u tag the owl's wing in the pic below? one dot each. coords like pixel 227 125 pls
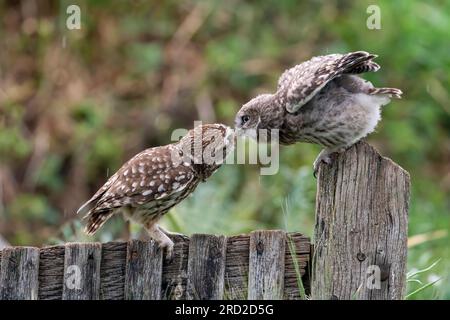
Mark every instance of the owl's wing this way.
pixel 150 175
pixel 302 82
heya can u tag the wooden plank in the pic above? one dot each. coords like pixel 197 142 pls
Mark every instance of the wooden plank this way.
pixel 174 277
pixel 361 227
pixel 112 271
pixel 206 267
pixel 19 273
pixel 297 253
pixel 51 272
pixel 266 265
pixel 143 275
pixel 82 271
pixel 236 267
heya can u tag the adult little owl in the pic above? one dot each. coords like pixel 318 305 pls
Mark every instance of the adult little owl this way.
pixel 155 180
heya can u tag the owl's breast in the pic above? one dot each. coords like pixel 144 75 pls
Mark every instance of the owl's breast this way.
pixel 291 128
pixel 153 210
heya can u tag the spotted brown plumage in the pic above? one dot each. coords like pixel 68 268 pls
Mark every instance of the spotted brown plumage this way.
pixel 320 101
pixel 155 180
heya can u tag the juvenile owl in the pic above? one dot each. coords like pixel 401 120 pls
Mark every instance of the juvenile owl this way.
pixel 155 180
pixel 320 101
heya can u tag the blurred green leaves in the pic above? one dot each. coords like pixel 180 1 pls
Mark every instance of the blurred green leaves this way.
pixel 146 57
pixel 33 208
pixel 13 142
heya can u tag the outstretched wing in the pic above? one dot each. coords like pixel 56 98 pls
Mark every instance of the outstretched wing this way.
pixel 300 83
pixel 149 176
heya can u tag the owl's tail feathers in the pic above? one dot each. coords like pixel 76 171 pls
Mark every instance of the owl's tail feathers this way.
pixel 88 206
pixel 390 92
pixel 96 219
pixel 359 62
pixel 96 216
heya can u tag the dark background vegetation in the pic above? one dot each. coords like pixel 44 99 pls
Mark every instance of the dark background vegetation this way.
pixel 74 105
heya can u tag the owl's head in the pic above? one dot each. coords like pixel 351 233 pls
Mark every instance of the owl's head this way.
pixel 208 144
pixel 248 118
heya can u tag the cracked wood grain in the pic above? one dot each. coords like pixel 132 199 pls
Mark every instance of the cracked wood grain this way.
pixel 19 273
pixel 361 227
pixel 206 267
pixel 266 265
pixel 143 277
pixel 82 271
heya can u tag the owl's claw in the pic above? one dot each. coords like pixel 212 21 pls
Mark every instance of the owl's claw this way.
pixel 167 248
pixel 324 156
pixel 171 234
pixel 168 256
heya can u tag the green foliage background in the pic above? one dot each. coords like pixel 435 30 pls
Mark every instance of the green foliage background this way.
pixel 75 104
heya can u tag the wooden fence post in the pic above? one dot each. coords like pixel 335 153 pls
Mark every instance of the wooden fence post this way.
pixel 266 265
pixel 82 271
pixel 144 271
pixel 360 239
pixel 19 273
pixel 51 272
pixel 206 267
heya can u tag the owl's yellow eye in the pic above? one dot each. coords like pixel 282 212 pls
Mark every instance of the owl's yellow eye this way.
pixel 245 119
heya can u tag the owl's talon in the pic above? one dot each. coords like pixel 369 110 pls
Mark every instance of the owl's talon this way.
pixel 178 237
pixel 171 234
pixel 167 247
pixel 168 253
pixel 324 156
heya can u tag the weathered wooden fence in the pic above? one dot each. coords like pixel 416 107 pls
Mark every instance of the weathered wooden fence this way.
pixel 261 265
pixel 359 251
